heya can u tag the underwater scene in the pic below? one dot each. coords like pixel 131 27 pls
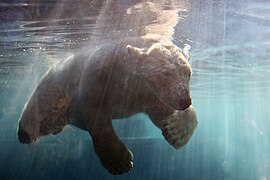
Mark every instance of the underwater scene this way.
pixel 229 45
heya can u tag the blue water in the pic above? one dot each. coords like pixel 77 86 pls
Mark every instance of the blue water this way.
pixel 230 88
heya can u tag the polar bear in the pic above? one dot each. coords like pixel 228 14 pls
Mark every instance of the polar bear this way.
pixel 115 80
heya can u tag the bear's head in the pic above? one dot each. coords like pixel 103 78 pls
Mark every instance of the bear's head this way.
pixel 165 68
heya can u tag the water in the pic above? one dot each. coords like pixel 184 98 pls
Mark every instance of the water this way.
pixel 230 90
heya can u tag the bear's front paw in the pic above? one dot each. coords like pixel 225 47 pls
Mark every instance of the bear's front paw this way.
pixel 179 127
pixel 115 157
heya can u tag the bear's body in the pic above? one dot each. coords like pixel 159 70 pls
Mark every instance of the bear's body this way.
pixel 114 80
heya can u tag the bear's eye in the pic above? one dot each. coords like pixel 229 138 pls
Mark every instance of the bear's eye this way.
pixel 188 73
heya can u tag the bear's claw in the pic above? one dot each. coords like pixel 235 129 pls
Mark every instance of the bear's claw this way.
pixel 179 127
pixel 116 158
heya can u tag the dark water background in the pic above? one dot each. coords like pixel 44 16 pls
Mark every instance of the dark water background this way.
pixel 230 88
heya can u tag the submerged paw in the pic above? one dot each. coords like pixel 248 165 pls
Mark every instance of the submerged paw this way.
pixel 179 127
pixel 119 163
pixel 116 159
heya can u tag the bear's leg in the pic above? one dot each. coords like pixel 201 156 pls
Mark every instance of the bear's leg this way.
pixel 113 154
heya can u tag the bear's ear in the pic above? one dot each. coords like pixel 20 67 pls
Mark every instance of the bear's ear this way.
pixel 135 52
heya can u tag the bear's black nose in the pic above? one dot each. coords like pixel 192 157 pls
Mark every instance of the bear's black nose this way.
pixel 23 136
pixel 185 103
